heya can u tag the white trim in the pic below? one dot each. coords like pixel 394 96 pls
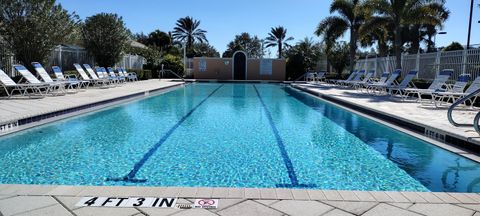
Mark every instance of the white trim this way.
pixel 233 64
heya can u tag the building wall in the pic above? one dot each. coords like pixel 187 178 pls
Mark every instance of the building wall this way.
pixel 221 69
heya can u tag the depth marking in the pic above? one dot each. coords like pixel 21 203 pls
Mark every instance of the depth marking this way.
pixel 130 177
pixel 286 159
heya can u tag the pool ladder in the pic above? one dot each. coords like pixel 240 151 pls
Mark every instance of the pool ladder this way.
pixel 475 120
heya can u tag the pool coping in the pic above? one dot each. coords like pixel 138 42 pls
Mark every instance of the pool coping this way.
pixel 452 142
pixel 240 193
pixel 56 115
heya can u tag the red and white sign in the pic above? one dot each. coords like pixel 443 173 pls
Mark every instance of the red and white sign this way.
pixel 206 203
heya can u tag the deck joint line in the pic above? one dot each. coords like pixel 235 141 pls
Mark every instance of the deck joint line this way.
pixel 130 177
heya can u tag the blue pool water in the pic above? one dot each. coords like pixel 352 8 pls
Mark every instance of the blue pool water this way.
pixel 231 135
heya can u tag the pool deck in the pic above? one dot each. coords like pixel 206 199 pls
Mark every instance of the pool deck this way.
pixel 425 115
pixel 61 200
pixel 51 108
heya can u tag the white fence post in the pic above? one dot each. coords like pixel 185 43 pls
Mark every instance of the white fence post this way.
pixel 437 62
pixel 365 66
pixel 464 66
pixel 387 60
pixel 59 55
pixel 12 69
pixel 417 62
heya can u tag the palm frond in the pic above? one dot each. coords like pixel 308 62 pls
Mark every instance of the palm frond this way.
pixel 332 27
pixel 344 7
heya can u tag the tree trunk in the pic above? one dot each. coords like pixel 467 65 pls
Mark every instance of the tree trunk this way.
pixel 353 48
pixel 416 40
pixel 430 44
pixel 382 48
pixel 280 50
pixel 398 46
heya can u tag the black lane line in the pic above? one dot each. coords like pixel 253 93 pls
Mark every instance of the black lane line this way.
pixel 130 177
pixel 283 152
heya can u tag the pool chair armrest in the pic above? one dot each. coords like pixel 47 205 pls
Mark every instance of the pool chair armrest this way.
pixel 459 94
pixel 33 84
pixel 447 87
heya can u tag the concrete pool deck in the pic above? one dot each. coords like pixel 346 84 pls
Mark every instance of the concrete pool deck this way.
pixel 61 200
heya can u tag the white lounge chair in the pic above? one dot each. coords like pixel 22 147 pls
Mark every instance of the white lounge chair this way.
pixel 132 76
pixel 456 95
pixel 120 77
pixel 366 79
pixel 102 74
pixel 83 75
pixel 350 77
pixel 320 76
pixel 29 89
pixel 373 88
pixel 310 76
pixel 439 84
pixel 125 75
pixel 95 80
pixel 71 78
pixel 355 79
pixel 382 80
pixel 55 88
pixel 71 87
pixel 406 83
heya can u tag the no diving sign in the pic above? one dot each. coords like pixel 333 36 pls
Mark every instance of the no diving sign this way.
pixel 206 203
pixel 143 202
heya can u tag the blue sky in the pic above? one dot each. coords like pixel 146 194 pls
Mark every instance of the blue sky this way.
pixel 224 19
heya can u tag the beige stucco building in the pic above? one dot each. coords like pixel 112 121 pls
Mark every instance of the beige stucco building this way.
pixel 239 67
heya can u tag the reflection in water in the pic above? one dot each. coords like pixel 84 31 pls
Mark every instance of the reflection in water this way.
pixel 239 95
pixel 451 185
pixel 428 164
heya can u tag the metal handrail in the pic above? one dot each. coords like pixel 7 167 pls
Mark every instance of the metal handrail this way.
pixel 452 107
pixel 475 123
pixel 301 76
pixel 168 70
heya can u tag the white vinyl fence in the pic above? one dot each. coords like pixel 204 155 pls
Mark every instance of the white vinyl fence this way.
pixel 427 64
pixel 65 57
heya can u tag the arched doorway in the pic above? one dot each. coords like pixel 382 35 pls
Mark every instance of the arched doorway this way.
pixel 239 65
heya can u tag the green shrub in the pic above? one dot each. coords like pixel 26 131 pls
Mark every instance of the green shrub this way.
pixel 105 36
pixel 338 56
pixel 72 72
pixel 453 46
pixel 174 63
pixel 422 83
pixel 32 28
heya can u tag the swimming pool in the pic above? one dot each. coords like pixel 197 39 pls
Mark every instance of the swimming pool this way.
pixel 232 135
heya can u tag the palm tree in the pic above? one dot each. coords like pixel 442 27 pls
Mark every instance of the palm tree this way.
pixel 278 38
pixel 401 13
pixel 379 36
pixel 309 50
pixel 350 17
pixel 187 30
